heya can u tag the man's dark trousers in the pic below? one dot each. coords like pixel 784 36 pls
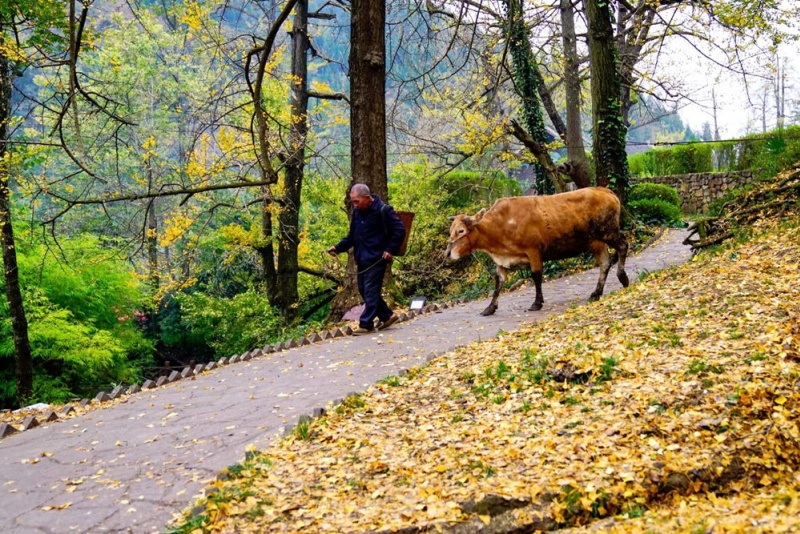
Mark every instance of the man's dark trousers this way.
pixel 370 282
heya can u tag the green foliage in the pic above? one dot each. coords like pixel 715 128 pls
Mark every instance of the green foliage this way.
pixel 81 305
pixel 656 211
pixel 230 325
pixel 71 358
pixel 764 154
pixel 646 191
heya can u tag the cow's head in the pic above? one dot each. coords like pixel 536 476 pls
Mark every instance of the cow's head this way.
pixel 459 244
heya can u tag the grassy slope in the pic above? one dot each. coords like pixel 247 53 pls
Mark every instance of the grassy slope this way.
pixel 672 405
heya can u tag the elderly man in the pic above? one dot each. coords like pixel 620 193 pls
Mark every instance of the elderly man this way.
pixel 376 233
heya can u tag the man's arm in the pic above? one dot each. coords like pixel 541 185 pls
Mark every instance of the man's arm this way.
pixel 345 244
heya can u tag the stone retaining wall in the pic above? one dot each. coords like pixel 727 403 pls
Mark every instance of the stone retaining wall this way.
pixel 698 190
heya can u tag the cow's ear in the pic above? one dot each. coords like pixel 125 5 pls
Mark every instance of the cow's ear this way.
pixel 479 215
pixel 469 222
pixel 452 218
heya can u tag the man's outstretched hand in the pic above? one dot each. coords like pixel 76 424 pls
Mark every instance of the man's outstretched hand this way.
pixel 388 257
pixel 332 251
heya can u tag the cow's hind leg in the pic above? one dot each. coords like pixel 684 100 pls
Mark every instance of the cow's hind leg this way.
pixel 499 280
pixel 536 270
pixel 603 259
pixel 620 244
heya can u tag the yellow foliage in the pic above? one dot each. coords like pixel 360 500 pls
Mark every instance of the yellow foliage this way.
pixel 195 15
pixel 174 228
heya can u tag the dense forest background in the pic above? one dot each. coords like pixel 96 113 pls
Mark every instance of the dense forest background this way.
pixel 175 170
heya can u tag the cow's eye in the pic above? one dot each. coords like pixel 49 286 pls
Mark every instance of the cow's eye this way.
pixel 461 231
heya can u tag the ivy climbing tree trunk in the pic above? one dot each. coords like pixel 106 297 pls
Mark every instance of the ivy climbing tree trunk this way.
pixel 608 126
pixel 367 118
pixel 16 308
pixel 527 80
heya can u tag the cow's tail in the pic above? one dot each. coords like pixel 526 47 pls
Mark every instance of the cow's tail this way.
pixel 614 258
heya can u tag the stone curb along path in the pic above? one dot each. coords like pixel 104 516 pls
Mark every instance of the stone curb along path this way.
pixel 132 466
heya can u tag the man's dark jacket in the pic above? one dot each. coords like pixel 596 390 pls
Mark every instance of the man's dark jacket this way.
pixel 372 233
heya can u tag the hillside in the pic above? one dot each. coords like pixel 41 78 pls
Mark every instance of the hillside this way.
pixel 672 405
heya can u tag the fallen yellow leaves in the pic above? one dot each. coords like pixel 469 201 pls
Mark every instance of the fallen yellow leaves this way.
pixel 668 406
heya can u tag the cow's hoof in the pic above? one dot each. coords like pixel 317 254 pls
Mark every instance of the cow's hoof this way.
pixel 489 311
pixel 593 297
pixel 536 306
pixel 623 279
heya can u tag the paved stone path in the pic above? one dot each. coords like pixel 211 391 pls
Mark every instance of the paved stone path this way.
pixel 130 467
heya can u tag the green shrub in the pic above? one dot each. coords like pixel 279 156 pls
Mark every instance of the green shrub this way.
pixel 81 303
pixel 70 358
pixel 647 191
pixel 230 325
pixel 655 211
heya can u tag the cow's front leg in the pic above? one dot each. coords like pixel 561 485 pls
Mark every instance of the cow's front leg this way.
pixel 539 300
pixel 499 280
pixel 536 270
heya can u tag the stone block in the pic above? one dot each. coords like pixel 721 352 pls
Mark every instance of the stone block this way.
pixel 347 330
pixel 314 338
pixel 402 317
pixel 161 381
pixel 222 361
pixel 148 384
pixel 135 388
pixel 102 397
pixel 233 359
pixel 303 419
pixel 210 366
pixel 67 410
pixel 318 412
pixel 117 391
pixel 174 376
pixel 246 357
pixel 7 430
pixel 186 372
pixel 84 403
pixel 327 334
pixel 277 347
pixel 29 422
pixel 302 341
pixel 52 416
pixel 337 332
pixel 290 344
pixel 199 368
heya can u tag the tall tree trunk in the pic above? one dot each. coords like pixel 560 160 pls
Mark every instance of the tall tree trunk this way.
pixel 527 79
pixel 287 294
pixel 267 249
pixel 573 137
pixel 368 95
pixel 19 323
pixel 608 126
pixel 367 118
pixel 151 239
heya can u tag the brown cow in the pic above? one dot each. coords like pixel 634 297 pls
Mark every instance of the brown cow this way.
pixel 528 230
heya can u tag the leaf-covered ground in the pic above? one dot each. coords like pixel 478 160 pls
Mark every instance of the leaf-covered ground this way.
pixel 669 406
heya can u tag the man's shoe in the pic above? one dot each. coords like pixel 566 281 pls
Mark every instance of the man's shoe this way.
pixel 383 325
pixel 362 331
